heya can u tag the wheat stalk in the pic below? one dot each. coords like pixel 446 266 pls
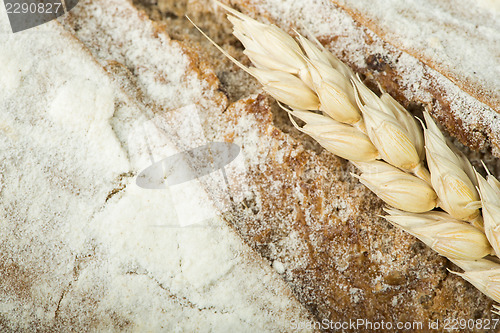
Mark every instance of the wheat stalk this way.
pixel 386 143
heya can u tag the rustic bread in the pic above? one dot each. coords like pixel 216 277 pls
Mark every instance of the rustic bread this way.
pixel 335 254
pixel 295 205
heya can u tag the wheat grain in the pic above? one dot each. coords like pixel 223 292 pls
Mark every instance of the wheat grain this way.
pixel 406 120
pixel 397 188
pixel 316 52
pixel 446 235
pixel 282 85
pixel 489 191
pixel 268 46
pixel 333 87
pixel 475 265
pixel 455 189
pixel 483 274
pixel 287 88
pixel 387 134
pixel 487 281
pixel 336 137
pixel 307 78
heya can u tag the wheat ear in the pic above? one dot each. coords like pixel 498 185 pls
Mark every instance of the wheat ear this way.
pixel 387 145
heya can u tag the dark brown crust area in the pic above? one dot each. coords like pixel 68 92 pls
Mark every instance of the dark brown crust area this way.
pixel 342 261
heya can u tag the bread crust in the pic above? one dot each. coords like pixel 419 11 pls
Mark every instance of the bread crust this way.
pixel 466 108
pixel 305 211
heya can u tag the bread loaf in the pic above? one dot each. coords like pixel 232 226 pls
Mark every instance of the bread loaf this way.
pixel 297 241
